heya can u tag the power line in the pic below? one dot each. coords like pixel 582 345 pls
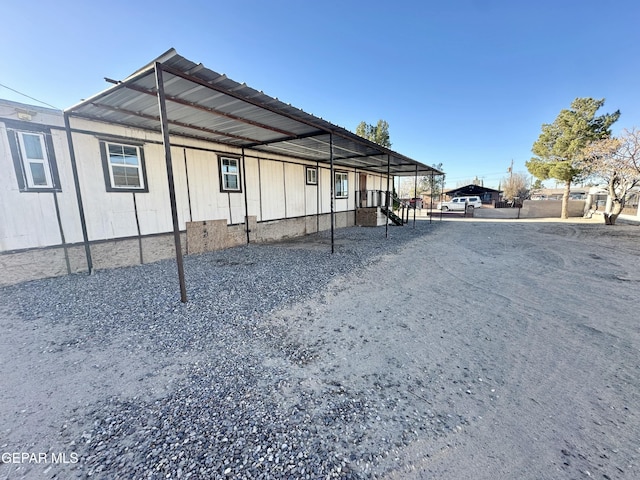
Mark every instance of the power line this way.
pixel 25 95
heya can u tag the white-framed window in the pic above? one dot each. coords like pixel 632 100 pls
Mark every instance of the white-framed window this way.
pixel 342 184
pixel 33 157
pixel 35 160
pixel 312 176
pixel 124 168
pixel 230 174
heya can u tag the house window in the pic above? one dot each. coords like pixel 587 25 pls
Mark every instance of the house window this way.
pixel 312 176
pixel 34 160
pixel 124 167
pixel 342 184
pixel 230 174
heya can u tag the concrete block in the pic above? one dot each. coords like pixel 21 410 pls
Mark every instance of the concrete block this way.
pixel 32 265
pixel 370 217
pixel 206 236
pixel 161 247
pixel 77 259
pixel 279 229
pixel 115 253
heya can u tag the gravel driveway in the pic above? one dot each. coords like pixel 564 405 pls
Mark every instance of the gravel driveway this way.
pixel 290 362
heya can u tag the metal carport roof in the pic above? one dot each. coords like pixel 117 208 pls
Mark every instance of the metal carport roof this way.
pixel 203 104
pixel 176 97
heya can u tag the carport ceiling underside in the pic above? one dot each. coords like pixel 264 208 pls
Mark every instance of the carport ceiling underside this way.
pixel 206 105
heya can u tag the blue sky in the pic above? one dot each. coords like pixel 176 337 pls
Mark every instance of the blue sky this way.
pixel 465 83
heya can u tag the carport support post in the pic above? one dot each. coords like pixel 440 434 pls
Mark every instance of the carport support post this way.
pixel 431 198
pixel 386 225
pixel 318 186
pixel 333 190
pixel 441 196
pixel 76 184
pixel 415 196
pixel 164 125
pixel 246 202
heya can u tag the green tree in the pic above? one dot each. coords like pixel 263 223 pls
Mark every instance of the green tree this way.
pixel 378 133
pixel 560 148
pixel 537 185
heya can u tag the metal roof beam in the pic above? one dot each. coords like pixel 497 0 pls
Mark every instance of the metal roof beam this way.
pixel 212 111
pixel 133 78
pixel 282 149
pixel 350 150
pixel 199 81
pixel 286 139
pixel 348 147
pixel 172 122
pixel 337 131
pixel 355 156
pixel 146 129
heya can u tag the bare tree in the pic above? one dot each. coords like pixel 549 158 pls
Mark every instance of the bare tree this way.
pixel 616 161
pixel 475 181
pixel 516 185
pixel 431 184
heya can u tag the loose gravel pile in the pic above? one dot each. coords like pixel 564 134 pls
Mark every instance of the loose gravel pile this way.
pixel 232 413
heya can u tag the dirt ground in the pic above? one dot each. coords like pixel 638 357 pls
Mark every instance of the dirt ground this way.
pixel 504 349
pixel 525 334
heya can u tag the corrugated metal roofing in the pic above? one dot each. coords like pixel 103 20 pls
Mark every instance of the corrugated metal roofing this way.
pixel 206 105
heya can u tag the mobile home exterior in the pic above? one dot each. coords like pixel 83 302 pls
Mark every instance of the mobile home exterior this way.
pixel 40 229
pixel 110 182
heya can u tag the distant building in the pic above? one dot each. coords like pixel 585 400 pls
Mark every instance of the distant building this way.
pixel 488 196
pixel 576 193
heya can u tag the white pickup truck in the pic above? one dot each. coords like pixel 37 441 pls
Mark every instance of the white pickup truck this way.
pixel 460 203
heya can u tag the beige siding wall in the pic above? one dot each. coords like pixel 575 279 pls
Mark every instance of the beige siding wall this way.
pixel 343 204
pixel 28 219
pixel 67 198
pixel 236 207
pixel 277 197
pixel 253 187
pixel 204 186
pixel 180 184
pixel 272 190
pixel 113 214
pixel 33 224
pixel 108 215
pixel 311 199
pixel 294 183
pixel 324 179
pixel 154 215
